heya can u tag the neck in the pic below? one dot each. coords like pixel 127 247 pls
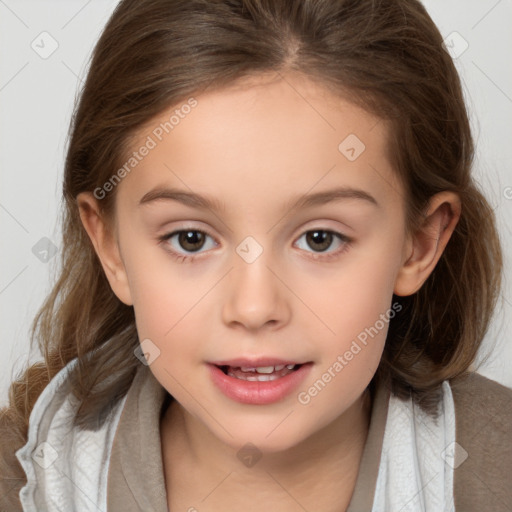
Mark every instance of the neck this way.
pixel 321 469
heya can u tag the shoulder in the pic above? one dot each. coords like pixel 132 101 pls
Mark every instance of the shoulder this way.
pixel 483 418
pixel 55 446
pixel 16 428
pixel 480 402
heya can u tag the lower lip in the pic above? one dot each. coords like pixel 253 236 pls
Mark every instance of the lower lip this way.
pixel 258 393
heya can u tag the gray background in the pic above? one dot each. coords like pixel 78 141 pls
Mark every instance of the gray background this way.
pixel 36 100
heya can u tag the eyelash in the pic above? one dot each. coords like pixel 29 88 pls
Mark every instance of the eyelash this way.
pixel 321 256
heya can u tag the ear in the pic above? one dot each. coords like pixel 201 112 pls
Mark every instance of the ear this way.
pixel 426 246
pixel 106 246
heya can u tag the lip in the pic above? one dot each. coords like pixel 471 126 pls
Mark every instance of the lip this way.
pixel 254 363
pixel 257 393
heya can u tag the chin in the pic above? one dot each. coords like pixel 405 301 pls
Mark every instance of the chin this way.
pixel 265 438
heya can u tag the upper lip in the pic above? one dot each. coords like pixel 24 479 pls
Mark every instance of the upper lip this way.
pixel 254 363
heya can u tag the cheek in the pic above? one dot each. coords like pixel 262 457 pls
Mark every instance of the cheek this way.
pixel 166 317
pixel 357 306
pixel 164 311
pixel 359 311
pixel 354 295
pixel 159 299
pixel 365 295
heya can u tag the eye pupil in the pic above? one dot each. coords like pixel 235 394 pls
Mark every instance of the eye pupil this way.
pixel 324 238
pixel 190 239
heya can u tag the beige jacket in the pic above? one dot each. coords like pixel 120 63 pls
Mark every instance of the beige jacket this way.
pixel 483 482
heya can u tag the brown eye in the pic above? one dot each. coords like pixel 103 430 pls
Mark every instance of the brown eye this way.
pixel 319 239
pixel 191 240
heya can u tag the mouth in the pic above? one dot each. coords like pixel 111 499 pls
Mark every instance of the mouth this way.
pixel 258 382
pixel 259 373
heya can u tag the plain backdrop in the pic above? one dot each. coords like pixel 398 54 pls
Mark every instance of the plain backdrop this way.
pixel 45 46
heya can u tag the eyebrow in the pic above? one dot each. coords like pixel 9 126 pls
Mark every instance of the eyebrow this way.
pixel 208 203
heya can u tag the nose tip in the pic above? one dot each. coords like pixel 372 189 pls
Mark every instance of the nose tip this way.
pixel 255 296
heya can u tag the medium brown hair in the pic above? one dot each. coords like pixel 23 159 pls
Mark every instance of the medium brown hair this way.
pixel 386 56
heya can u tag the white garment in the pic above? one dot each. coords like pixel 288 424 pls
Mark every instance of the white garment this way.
pixel 417 460
pixel 67 469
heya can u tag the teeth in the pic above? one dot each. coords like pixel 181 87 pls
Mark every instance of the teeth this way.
pixel 261 373
pixel 266 369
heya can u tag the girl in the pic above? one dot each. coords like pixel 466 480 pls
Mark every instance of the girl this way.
pixel 277 273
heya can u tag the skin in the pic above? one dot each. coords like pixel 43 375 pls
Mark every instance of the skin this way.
pixel 255 147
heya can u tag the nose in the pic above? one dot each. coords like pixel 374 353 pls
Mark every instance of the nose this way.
pixel 255 295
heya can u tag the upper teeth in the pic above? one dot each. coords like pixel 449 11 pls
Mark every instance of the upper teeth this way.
pixel 267 369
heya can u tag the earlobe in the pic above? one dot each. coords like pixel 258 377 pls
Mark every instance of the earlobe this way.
pixel 428 244
pixel 105 245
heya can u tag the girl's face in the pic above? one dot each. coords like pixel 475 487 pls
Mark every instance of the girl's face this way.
pixel 292 237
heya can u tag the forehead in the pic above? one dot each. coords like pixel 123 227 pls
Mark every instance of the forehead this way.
pixel 261 135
